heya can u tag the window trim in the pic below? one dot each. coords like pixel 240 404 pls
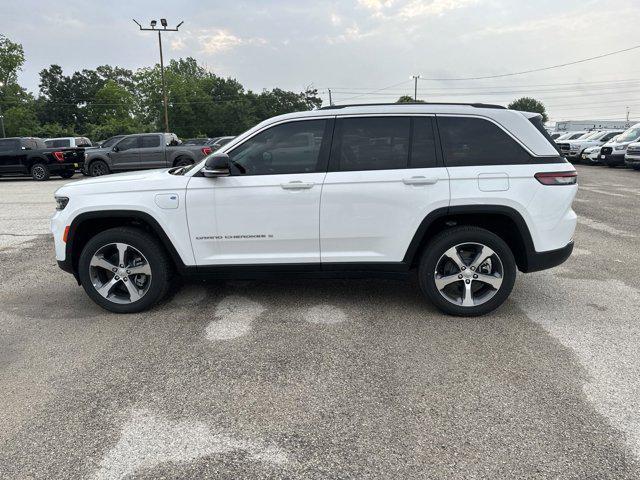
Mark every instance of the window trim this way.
pixel 334 165
pixel 323 154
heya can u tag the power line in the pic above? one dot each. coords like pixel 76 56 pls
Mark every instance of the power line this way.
pixel 561 65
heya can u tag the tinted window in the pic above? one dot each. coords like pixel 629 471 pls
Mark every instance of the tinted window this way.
pixel 110 142
pixel 9 145
pixel 423 144
pixel 150 141
pixel 373 143
pixel 58 143
pixel 609 136
pixel 127 143
pixel 474 141
pixel 288 148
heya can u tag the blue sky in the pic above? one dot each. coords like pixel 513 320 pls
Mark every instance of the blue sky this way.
pixel 359 47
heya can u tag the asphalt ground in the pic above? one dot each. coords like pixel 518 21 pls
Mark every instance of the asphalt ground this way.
pixel 325 379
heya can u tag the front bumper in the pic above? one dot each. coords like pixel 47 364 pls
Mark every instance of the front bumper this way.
pixel 537 261
pixel 612 159
pixel 632 161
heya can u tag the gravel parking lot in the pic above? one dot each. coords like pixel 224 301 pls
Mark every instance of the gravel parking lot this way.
pixel 325 379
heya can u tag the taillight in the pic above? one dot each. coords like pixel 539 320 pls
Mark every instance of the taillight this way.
pixel 206 150
pixel 557 178
pixel 59 156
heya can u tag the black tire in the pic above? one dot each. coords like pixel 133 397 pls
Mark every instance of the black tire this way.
pixel 153 252
pixel 67 173
pixel 456 236
pixel 183 162
pixel 98 168
pixel 40 172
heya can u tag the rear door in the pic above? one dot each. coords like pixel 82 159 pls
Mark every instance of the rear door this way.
pixel 153 152
pixel 385 176
pixel 12 156
pixel 126 153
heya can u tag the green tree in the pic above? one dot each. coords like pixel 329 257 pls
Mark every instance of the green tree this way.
pixel 11 60
pixel 20 121
pixel 408 99
pixel 528 104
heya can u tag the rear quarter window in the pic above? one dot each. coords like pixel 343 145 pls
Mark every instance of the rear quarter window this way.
pixel 468 141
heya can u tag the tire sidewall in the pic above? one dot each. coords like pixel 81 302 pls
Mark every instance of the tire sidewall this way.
pixel 152 251
pixel 448 239
pixel 40 167
pixel 93 165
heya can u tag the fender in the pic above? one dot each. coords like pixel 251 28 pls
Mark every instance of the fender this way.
pixel 528 261
pixel 70 262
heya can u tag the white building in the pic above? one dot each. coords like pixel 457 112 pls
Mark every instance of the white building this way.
pixel 576 125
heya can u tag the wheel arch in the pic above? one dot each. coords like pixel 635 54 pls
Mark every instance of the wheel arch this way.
pixel 88 224
pixel 506 222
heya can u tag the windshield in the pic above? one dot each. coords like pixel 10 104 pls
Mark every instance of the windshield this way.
pixel 630 135
pixel 583 136
pixel 110 142
pixel 593 136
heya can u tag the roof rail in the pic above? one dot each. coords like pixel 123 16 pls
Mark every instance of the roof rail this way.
pixel 475 105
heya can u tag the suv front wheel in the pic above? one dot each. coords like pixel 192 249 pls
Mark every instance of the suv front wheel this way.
pixel 124 270
pixel 467 271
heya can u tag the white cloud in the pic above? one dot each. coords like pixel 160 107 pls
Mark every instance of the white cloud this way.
pixel 418 8
pixel 223 40
pixel 178 44
pixel 335 19
pixel 350 34
pixel 376 5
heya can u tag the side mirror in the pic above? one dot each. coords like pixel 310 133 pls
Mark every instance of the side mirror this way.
pixel 217 165
pixel 115 148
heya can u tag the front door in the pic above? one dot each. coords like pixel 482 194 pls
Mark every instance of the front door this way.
pixel 126 154
pixel 12 156
pixel 267 211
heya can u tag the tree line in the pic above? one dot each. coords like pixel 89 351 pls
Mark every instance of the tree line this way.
pixel 111 100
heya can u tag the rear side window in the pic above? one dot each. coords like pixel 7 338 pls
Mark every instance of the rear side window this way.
pixel 423 144
pixel 62 143
pixel 9 145
pixel 150 141
pixel 373 143
pixel 474 141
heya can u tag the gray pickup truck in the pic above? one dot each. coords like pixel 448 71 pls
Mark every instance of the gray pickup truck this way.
pixel 142 151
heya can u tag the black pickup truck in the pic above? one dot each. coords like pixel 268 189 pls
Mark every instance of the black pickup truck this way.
pixel 30 156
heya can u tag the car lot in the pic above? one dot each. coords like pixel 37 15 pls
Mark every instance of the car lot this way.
pixel 325 379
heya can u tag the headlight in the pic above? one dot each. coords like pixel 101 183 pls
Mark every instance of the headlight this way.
pixel 621 147
pixel 61 202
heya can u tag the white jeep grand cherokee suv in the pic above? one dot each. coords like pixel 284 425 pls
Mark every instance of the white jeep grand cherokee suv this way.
pixel 464 195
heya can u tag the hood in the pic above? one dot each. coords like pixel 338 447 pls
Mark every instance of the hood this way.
pixel 144 180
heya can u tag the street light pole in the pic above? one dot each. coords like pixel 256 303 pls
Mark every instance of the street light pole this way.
pixel 164 28
pixel 415 87
pixel 2 116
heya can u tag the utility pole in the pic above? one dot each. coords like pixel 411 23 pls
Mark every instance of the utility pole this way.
pixel 153 23
pixel 1 116
pixel 330 101
pixel 415 87
pixel 628 111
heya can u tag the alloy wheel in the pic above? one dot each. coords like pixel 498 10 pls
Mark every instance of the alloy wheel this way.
pixel 120 273
pixel 39 172
pixel 469 274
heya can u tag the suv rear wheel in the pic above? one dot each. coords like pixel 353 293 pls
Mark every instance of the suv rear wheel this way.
pixel 124 270
pixel 467 271
pixel 40 172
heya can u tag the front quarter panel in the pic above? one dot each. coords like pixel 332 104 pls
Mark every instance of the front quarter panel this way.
pixel 147 195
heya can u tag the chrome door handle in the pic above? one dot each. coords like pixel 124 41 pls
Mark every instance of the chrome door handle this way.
pixel 419 181
pixel 297 185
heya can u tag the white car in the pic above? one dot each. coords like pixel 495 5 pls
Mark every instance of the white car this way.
pixel 572 149
pixel 464 195
pixel 613 153
pixel 63 142
pixel 591 155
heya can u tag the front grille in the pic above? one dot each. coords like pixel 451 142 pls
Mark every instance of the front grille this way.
pixel 606 150
pixel 633 150
pixel 564 147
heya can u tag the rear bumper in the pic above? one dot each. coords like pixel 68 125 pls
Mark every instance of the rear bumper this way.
pixel 59 167
pixel 537 261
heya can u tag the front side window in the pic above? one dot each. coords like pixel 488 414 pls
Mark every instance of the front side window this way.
pixel 474 141
pixel 373 143
pixel 150 141
pixel 128 143
pixel 609 136
pixel 287 148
